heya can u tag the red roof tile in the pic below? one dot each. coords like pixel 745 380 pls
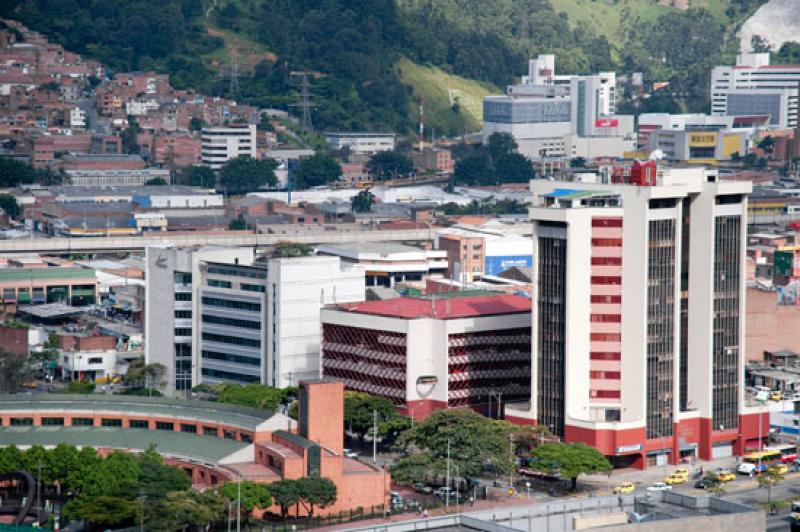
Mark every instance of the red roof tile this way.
pixel 443 308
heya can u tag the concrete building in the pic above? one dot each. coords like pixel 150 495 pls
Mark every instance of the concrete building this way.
pixel 754 87
pixel 387 263
pixel 699 145
pixel 489 250
pixel 361 143
pixel 639 330
pixel 553 116
pixel 226 317
pixel 212 442
pixel 23 283
pixel 115 178
pixel 426 354
pixel 221 144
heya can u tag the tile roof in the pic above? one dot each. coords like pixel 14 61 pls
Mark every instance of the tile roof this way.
pixel 444 308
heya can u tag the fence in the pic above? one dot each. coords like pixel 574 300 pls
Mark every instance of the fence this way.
pixel 303 523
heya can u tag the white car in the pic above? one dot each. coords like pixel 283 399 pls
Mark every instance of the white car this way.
pixel 660 486
pixel 350 454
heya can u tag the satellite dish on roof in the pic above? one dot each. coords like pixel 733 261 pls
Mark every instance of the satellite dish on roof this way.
pixel 656 155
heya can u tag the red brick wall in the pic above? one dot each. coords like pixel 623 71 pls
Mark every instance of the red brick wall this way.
pixel 324 409
pixel 769 326
pixel 86 343
pixel 14 340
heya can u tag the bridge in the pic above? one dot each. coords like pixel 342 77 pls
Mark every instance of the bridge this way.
pixel 110 244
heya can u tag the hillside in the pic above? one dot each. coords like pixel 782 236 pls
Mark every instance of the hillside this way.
pixel 371 59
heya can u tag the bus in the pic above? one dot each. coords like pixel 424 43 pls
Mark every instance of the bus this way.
pixel 788 452
pixel 766 458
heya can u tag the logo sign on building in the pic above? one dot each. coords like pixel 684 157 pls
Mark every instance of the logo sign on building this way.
pixel 606 122
pixel 497 265
pixel 629 448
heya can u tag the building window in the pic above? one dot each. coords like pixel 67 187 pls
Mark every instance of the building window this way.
pixel 605 337
pixel 183 331
pixel 139 424
pixel 232 322
pixel 183 314
pixel 163 425
pixel 607 261
pixel 226 303
pixel 183 278
pixel 606 222
pixel 238 359
pixel 253 287
pixel 215 283
pixel 229 434
pixel 612 414
pixel 245 437
pixel 52 421
pixel 188 428
pixel 82 422
pixel 111 422
pixel 606 299
pixel 21 421
pixel 606 279
pixel 231 340
pixel 183 296
pixel 95 360
pixel 210 431
pixel 607 242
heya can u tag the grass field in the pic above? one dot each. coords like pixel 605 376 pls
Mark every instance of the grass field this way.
pixel 434 84
pixel 610 17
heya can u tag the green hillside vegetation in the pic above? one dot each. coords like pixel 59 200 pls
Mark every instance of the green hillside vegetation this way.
pixel 369 59
pixel 434 85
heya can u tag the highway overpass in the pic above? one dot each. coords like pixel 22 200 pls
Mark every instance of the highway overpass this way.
pixel 62 245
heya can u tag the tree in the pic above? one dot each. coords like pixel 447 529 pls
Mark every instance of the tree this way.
pixel 155 182
pixel 291 249
pixel 253 495
pixel 285 494
pixel 13 370
pixel 475 442
pixel 500 144
pixel 362 202
pixel 513 168
pixel 11 459
pixel 61 461
pixel 13 173
pixel 769 478
pixel 315 493
pixel 789 54
pixel 253 395
pixel 198 176
pixel 10 206
pixel 180 509
pixel 238 224
pixel 196 124
pixel 389 165
pixel 759 45
pixel 102 510
pixel 156 479
pixel 317 170
pixel 571 460
pixel 767 144
pixel 474 170
pixel 359 416
pixel 244 174
pixel 144 375
pixel 87 460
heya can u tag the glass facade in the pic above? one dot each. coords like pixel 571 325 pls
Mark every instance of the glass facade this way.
pixel 725 347
pixel 551 315
pixel 660 327
pixel 683 364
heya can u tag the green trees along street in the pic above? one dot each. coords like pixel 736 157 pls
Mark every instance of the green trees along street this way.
pixel 570 460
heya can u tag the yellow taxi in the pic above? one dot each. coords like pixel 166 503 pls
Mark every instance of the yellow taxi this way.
pixel 681 471
pixel 675 479
pixel 624 488
pixel 776 395
pixel 725 476
pixel 780 469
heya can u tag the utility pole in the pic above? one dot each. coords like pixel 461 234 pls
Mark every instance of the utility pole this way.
pixel 374 436
pixel 447 477
pixel 305 101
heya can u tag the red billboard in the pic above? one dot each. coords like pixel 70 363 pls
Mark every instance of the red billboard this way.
pixel 606 122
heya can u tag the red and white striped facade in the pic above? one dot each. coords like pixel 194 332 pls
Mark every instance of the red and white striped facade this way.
pixel 426 354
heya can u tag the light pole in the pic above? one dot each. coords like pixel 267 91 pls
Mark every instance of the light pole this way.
pixel 447 478
pixel 239 502
pixel 374 436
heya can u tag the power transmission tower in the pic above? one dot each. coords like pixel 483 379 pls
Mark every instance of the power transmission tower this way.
pixel 305 102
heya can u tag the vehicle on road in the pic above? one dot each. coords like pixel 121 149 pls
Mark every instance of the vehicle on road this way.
pixel 350 454
pixel 659 486
pixel 788 452
pixel 442 493
pixel 675 479
pixel 776 395
pixel 29 384
pixel 681 471
pixel 707 483
pixel 725 475
pixel 794 517
pixel 779 469
pixel 624 488
pixel 756 462
pixel 419 487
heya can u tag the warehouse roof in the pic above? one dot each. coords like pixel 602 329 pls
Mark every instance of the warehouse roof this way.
pixel 443 308
pixel 212 412
pixel 207 449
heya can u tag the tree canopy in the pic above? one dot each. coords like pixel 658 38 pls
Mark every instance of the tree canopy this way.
pixel 359 417
pixel 9 205
pixel 156 182
pixel 198 176
pixel 317 170
pixel 253 495
pixel 570 460
pixel 362 202
pixel 244 174
pixel 476 443
pixel 390 165
pixel 253 395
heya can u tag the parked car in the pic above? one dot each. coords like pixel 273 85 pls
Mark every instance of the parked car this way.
pixel 706 483
pixel 350 454
pixel 681 471
pixel 724 475
pixel 659 486
pixel 443 491
pixel 780 469
pixel 675 479
pixel 422 488
pixel 776 395
pixel 625 487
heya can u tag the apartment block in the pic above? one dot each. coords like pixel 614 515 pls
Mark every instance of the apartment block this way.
pixel 221 144
pixel 638 336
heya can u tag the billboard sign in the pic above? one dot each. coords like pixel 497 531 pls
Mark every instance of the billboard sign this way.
pixel 606 122
pixel 498 264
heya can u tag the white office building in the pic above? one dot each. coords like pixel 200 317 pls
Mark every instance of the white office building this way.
pixel 221 144
pixel 754 87
pixel 220 316
pixel 363 143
